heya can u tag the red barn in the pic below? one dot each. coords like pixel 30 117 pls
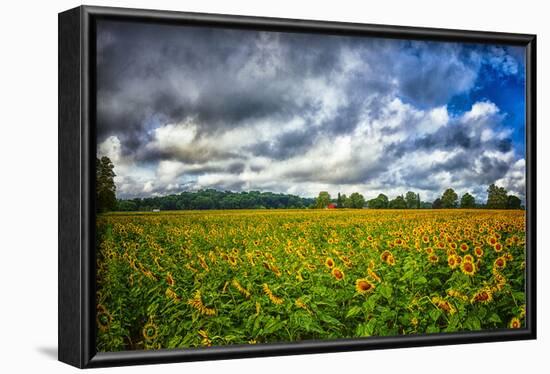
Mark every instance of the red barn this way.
pixel 331 206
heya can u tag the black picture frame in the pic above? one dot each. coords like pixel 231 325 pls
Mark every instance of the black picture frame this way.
pixel 76 165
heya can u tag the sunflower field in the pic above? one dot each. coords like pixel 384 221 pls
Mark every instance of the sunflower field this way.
pixel 209 278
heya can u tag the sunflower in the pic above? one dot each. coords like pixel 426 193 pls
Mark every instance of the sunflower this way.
pixel 468 258
pixel 451 251
pixel 103 319
pixel 205 339
pixel 275 269
pixel 172 295
pixel 468 268
pixel 203 263
pixel 498 247
pixel 515 323
pixel 452 262
pixel 363 286
pixel 444 305
pixel 197 303
pixel 329 262
pixel 500 263
pixel 429 250
pixel 100 307
pixel 384 256
pixel 232 260
pixel 240 288
pixel 478 252
pixel 457 294
pixel 337 273
pixel 433 259
pixel 150 331
pixel 483 296
pixel 300 304
pixel 391 260
pixel 463 247
pixel 373 275
pixel 491 240
pixel 500 280
pixel 170 280
pixel 274 299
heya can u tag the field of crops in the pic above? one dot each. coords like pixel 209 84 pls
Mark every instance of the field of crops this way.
pixel 209 278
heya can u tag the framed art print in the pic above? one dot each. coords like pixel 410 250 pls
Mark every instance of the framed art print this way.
pixel 237 186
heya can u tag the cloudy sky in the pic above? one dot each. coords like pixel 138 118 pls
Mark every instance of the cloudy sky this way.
pixel 186 108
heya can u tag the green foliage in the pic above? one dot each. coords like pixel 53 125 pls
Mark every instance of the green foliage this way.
pixel 323 200
pixel 345 202
pixel 380 202
pixel 497 197
pixel 449 199
pixel 412 199
pixel 105 185
pixel 467 201
pixel 513 202
pixel 398 203
pixel 437 204
pixel 356 201
pixel 213 199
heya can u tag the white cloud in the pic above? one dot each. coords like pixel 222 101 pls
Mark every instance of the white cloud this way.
pixel 514 180
pixel 502 61
pixel 479 111
pixel 148 187
pixel 111 148
pixel 174 136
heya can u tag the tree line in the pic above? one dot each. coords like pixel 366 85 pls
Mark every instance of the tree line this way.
pixel 497 198
pixel 214 199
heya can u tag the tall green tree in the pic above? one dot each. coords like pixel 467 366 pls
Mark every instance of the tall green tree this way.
pixel 398 203
pixel 467 201
pixel 380 202
pixel 449 199
pixel 437 204
pixel 412 200
pixel 105 185
pixel 497 197
pixel 339 202
pixel 323 200
pixel 346 203
pixel 513 202
pixel 357 201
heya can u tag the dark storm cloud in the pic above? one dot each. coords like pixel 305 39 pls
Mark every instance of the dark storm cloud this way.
pixel 427 81
pixel 286 145
pixel 169 73
pixel 151 74
pixel 235 109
